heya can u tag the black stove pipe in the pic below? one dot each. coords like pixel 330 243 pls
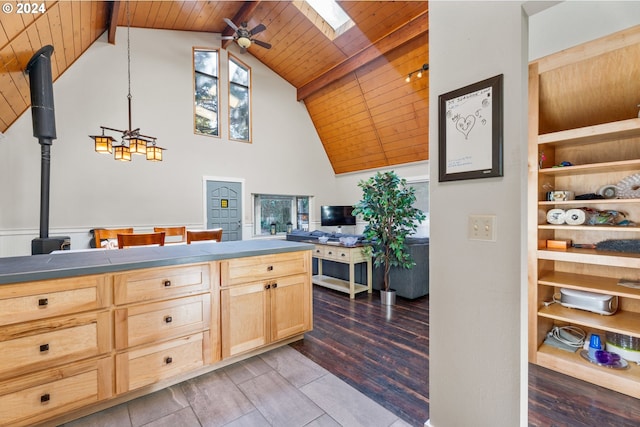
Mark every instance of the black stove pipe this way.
pixel 44 128
pixel 44 123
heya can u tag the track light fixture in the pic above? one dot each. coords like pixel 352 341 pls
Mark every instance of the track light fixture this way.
pixel 417 72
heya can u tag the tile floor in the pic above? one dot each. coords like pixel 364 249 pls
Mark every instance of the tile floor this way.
pixel 279 388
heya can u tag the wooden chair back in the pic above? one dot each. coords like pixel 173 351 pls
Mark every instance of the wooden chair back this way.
pixel 101 234
pixel 172 232
pixel 140 239
pixel 196 236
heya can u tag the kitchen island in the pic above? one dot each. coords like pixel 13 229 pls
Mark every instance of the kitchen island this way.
pixel 83 331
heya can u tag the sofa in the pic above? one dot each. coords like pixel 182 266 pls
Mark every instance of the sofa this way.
pixel 408 283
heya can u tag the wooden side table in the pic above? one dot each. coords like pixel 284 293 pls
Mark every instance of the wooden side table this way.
pixel 346 255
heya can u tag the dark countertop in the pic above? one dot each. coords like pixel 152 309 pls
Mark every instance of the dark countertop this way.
pixel 71 263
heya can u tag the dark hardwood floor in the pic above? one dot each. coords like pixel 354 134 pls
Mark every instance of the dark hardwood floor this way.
pixel 384 353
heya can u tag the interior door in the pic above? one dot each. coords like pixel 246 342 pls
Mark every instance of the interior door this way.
pixel 224 208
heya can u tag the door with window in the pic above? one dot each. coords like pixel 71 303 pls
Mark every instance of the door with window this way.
pixel 224 208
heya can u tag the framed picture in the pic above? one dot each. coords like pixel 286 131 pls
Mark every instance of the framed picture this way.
pixel 470 131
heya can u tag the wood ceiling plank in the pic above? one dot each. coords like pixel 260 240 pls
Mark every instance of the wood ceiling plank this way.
pixel 66 27
pixel 77 32
pixel 162 12
pixel 153 13
pixel 85 25
pixel 55 27
pixel 415 28
pixel 185 11
pixel 172 15
pixel 12 24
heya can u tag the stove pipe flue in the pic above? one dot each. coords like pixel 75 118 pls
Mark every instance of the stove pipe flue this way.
pixel 44 128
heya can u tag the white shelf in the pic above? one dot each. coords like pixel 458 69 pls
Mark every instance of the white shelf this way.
pixel 337 284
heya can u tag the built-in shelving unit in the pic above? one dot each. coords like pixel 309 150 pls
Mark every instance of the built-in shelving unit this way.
pixel 600 154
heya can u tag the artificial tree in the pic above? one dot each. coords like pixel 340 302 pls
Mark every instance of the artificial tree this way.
pixel 387 206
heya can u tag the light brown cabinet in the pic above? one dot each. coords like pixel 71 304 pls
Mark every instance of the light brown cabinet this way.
pixel 55 339
pixel 70 345
pixel 162 323
pixel 274 305
pixel 601 154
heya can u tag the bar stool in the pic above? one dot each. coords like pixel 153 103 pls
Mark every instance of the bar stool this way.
pixel 172 232
pixel 140 239
pixel 197 236
pixel 101 234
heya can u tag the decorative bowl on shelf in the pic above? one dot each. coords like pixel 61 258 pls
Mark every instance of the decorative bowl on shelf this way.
pixel 323 239
pixel 349 241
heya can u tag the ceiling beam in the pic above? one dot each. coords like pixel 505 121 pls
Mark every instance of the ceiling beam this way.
pixel 243 14
pixel 412 29
pixel 113 21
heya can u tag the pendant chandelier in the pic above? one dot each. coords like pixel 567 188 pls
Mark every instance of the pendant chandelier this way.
pixel 132 141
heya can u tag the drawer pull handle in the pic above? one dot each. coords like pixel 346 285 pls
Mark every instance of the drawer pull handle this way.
pixel 43 302
pixel 45 398
pixel 168 360
pixel 168 319
pixel 275 285
pixel 267 286
pixel 270 268
pixel 44 347
pixel 330 253
pixel 343 255
pixel 167 283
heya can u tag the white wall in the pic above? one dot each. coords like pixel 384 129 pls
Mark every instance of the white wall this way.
pixel 475 286
pixel 91 190
pixel 587 20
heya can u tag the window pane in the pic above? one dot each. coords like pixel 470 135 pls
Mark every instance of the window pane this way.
pixel 206 92
pixel 239 112
pixel 238 74
pixel 280 211
pixel 206 105
pixel 206 62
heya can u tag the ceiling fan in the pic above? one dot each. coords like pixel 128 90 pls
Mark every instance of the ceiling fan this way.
pixel 244 36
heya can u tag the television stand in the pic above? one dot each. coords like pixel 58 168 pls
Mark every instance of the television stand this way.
pixel 333 251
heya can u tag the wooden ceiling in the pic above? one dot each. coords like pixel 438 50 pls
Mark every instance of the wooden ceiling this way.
pixel 352 83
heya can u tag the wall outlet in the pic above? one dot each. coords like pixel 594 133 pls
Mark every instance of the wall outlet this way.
pixel 482 227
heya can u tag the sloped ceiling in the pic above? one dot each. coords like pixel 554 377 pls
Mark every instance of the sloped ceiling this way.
pixel 353 83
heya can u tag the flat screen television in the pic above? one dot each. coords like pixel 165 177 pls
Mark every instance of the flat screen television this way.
pixel 337 215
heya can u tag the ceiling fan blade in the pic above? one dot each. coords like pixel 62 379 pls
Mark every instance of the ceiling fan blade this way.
pixel 261 43
pixel 231 24
pixel 258 29
pixel 227 37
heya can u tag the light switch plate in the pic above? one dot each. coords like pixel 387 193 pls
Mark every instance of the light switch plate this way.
pixel 482 227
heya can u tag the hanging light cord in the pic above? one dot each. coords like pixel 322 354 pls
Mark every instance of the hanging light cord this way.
pixel 129 97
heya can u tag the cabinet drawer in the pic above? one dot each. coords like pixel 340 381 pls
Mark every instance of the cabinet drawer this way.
pixel 160 283
pixel 33 398
pixel 36 300
pixel 47 343
pixel 265 267
pixel 162 320
pixel 318 251
pixel 337 254
pixel 147 365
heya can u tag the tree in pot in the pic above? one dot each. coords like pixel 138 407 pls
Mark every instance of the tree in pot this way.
pixel 387 206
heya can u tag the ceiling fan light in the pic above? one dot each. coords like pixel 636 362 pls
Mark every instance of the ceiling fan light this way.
pixel 244 42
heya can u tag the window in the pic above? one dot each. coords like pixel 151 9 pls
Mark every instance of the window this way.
pixel 239 101
pixel 205 65
pixel 280 211
pixel 421 186
pixel 330 11
pixel 327 15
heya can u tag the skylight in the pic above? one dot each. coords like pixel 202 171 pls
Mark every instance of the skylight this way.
pixel 330 11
